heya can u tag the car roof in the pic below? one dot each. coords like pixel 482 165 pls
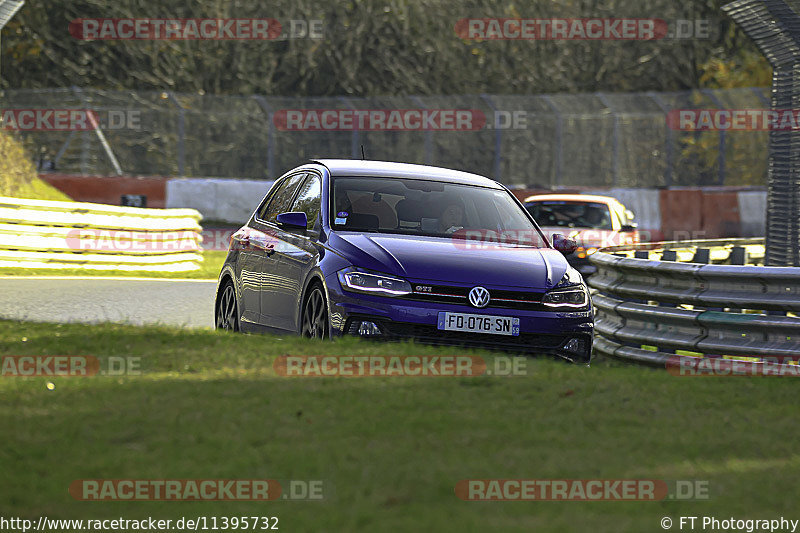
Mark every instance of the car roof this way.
pixel 573 198
pixel 388 169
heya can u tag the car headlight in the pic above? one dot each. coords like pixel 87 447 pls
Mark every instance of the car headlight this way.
pixel 574 297
pixel 367 282
pixel 570 292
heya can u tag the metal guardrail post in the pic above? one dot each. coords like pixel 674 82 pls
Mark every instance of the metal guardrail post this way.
pixel 559 138
pixel 669 134
pixel 721 154
pixel 615 142
pixel 763 99
pixel 738 256
pixel 702 255
pixel 63 149
pixel 85 144
pixel 262 102
pixel 355 136
pixel 181 134
pixel 428 134
pixel 498 138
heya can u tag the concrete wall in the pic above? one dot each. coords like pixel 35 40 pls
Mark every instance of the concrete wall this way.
pixel 224 200
pixel 753 213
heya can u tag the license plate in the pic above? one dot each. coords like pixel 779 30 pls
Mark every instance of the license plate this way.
pixel 494 325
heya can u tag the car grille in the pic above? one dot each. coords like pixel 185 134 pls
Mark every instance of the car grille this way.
pixel 500 299
pixel 529 343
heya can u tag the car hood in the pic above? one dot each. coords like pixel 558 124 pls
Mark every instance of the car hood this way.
pixel 452 260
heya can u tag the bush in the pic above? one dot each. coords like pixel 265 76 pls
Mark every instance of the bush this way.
pixel 18 175
pixel 16 169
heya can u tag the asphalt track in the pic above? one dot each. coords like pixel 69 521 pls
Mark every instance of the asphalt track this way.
pixel 187 303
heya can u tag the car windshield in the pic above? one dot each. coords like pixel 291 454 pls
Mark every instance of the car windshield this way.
pixel 430 208
pixel 571 214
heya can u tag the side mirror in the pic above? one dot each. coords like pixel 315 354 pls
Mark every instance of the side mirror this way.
pixel 563 244
pixel 630 226
pixel 292 220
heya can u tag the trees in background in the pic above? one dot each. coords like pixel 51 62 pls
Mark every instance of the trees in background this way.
pixel 374 48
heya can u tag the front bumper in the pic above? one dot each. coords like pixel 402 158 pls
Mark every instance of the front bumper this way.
pixel 563 334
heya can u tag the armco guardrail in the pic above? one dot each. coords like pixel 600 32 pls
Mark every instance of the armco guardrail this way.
pixel 658 300
pixel 59 235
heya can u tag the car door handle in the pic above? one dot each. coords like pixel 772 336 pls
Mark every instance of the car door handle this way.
pixel 259 243
pixel 242 240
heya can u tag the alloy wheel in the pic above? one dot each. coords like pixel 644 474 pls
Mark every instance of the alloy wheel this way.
pixel 315 315
pixel 226 310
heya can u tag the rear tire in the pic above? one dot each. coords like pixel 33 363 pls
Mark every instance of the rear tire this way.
pixel 227 315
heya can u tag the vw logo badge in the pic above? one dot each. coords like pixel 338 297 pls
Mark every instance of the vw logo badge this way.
pixel 479 297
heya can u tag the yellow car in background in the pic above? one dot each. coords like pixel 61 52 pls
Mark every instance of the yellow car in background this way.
pixel 593 221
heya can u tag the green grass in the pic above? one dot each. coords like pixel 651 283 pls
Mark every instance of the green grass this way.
pixel 209 269
pixel 389 450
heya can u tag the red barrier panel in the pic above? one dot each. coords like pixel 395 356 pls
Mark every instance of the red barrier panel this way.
pixel 721 214
pixel 109 189
pixel 681 211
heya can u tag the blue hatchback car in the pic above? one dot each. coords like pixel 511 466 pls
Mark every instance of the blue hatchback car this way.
pixel 397 251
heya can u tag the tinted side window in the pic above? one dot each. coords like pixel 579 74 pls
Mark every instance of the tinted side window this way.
pixel 282 198
pixel 309 200
pixel 262 209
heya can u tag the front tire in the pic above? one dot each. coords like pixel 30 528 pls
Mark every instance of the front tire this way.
pixel 315 315
pixel 227 316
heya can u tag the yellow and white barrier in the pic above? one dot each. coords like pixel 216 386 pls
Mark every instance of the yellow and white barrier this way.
pixel 60 235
